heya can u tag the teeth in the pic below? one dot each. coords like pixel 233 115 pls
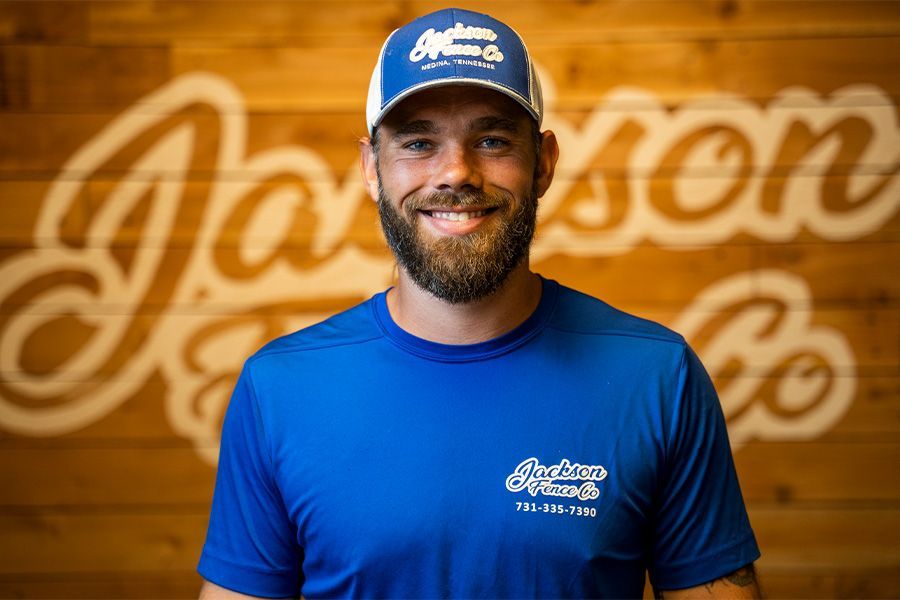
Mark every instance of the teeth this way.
pixel 458 216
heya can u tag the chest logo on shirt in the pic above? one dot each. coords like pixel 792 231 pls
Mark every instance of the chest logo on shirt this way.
pixel 565 479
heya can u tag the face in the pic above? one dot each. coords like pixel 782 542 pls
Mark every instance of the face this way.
pixel 457 175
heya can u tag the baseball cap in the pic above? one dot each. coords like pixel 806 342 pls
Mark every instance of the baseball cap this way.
pixel 452 47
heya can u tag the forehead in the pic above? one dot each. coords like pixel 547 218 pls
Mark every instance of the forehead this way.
pixel 455 103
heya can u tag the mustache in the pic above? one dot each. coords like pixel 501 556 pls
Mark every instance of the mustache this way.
pixel 437 200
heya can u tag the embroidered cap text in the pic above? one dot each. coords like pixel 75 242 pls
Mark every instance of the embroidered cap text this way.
pixel 433 43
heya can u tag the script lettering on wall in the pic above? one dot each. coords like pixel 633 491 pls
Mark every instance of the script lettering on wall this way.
pixel 740 151
pixel 131 311
pixel 768 325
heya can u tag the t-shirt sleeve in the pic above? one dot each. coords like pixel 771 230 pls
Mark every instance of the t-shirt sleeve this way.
pixel 251 543
pixel 702 531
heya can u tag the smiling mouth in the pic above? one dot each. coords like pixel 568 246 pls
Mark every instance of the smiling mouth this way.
pixel 457 215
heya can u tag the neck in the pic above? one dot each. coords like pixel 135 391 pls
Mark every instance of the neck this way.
pixel 423 315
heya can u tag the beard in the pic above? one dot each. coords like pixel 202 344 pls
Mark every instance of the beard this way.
pixel 465 268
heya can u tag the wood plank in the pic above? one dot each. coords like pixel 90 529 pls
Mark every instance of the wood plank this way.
pixel 22 21
pixel 679 71
pixel 228 23
pixel 295 78
pixel 22 203
pixel 307 22
pixel 870 415
pixel 279 210
pixel 36 145
pixel 871 335
pixel 826 539
pixel 874 415
pixel 77 75
pixel 620 277
pixel 104 584
pixel 139 421
pixel 818 472
pixel 620 274
pixel 39 145
pixel 104 477
pixel 830 583
pixel 42 542
pixel 167 269
pixel 299 78
pixel 833 270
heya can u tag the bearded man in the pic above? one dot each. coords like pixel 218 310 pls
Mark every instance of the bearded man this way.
pixel 476 430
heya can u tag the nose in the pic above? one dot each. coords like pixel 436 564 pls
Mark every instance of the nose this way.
pixel 458 169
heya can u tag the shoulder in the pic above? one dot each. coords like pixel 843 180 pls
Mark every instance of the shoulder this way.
pixel 351 327
pixel 579 313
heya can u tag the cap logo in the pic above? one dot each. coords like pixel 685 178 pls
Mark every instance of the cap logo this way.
pixel 433 43
pixel 452 47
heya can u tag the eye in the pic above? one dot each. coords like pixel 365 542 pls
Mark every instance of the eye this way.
pixel 418 145
pixel 493 143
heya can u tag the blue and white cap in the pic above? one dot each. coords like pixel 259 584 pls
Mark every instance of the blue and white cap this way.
pixel 452 47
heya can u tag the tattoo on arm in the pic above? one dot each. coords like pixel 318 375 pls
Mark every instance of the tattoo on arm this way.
pixel 743 577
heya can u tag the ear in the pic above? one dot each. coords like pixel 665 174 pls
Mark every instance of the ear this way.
pixel 547 161
pixel 367 167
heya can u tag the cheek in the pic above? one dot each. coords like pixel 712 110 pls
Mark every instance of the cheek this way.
pixel 402 179
pixel 511 176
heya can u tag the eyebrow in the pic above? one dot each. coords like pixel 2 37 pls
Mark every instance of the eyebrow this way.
pixel 415 127
pixel 494 123
pixel 489 123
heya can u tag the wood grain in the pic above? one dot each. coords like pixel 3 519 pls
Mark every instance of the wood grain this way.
pixel 107 541
pixel 359 22
pixel 675 72
pixel 142 585
pixel 117 508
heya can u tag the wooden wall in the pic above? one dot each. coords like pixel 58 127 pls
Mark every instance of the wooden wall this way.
pixel 178 184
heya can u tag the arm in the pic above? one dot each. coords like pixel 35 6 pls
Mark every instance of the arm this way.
pixel 702 530
pixel 250 544
pixel 740 584
pixel 211 591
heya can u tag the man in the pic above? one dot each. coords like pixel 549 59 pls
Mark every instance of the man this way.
pixel 476 430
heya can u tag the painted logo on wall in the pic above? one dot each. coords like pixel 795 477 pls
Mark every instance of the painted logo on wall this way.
pixel 258 278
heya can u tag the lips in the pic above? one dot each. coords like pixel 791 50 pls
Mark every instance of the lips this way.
pixel 455 221
pixel 456 215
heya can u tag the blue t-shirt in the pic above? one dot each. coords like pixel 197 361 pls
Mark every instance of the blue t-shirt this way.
pixel 562 459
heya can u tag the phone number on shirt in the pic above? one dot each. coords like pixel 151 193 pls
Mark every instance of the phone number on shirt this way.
pixel 558 509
